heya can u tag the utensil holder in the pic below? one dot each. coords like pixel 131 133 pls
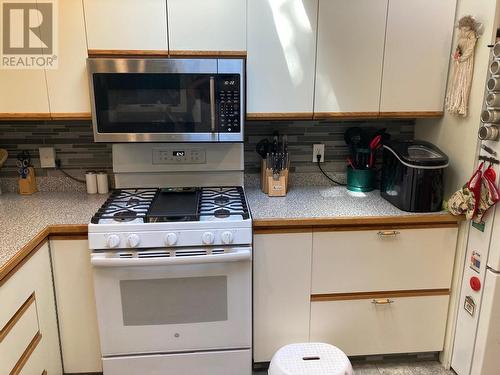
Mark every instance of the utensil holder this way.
pixel 27 186
pixel 272 185
pixel 360 180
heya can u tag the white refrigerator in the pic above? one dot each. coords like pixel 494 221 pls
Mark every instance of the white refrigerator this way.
pixel 476 348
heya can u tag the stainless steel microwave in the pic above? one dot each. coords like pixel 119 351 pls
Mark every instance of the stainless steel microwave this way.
pixel 167 100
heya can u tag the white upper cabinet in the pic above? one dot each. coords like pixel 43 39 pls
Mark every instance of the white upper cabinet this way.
pixel 68 85
pixel 417 54
pixel 281 44
pixel 350 55
pixel 23 92
pixel 207 25
pixel 126 24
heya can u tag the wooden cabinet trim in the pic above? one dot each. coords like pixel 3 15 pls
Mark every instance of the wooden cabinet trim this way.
pixel 344 115
pixel 126 53
pixel 71 116
pixel 26 354
pixel 24 116
pixel 254 116
pixel 15 318
pixel 380 294
pixel 193 53
pixel 404 115
pixel 163 53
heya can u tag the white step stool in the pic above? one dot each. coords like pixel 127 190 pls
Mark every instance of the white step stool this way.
pixel 310 359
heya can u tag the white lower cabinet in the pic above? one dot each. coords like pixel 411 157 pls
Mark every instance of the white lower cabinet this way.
pixel 383 260
pixel 362 327
pixel 29 342
pixel 76 309
pixel 281 291
pixel 365 291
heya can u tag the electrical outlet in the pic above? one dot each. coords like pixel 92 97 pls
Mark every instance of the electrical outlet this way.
pixel 47 157
pixel 318 149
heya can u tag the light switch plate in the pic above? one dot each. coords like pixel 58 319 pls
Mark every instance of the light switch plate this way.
pixel 47 157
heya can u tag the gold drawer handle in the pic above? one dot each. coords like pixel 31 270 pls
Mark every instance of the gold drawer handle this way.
pixel 388 233
pixel 383 301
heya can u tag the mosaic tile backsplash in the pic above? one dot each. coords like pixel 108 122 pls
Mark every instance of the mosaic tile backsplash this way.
pixel 75 146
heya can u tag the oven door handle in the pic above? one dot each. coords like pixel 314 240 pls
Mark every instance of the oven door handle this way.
pixel 101 260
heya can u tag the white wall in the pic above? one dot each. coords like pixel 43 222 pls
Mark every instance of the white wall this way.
pixel 457 137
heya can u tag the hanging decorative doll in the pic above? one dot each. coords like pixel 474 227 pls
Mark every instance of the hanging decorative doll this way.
pixel 457 97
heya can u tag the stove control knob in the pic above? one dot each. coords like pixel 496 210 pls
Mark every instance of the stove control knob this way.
pixel 113 240
pixel 133 240
pixel 227 237
pixel 170 239
pixel 208 238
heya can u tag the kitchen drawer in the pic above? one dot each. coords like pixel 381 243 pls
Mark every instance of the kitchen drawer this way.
pixel 361 327
pixel 361 261
pixel 18 334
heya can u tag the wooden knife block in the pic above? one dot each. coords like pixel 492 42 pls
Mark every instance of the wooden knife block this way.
pixel 273 187
pixel 27 186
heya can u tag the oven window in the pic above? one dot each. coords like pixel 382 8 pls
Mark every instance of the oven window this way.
pixel 152 103
pixel 174 301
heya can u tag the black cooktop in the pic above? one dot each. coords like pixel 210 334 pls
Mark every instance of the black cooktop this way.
pixel 152 205
pixel 175 204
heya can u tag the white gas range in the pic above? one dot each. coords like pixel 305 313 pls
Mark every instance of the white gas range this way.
pixel 173 271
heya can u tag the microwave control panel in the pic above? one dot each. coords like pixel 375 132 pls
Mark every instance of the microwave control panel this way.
pixel 229 103
pixel 179 155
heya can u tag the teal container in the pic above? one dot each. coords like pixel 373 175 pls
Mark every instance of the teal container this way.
pixel 360 180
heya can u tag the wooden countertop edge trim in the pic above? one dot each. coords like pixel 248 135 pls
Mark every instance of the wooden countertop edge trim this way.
pixel 260 226
pixel 378 294
pixel 357 222
pixel 15 318
pixel 22 256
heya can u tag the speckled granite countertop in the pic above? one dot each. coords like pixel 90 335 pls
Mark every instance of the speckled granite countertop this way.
pixel 309 202
pixel 23 217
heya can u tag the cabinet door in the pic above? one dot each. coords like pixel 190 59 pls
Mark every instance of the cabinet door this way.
pixel 31 287
pixel 207 25
pixel 417 55
pixel 23 94
pixel 363 327
pixel 281 287
pixel 281 57
pixel 349 56
pixel 68 85
pixel 374 261
pixel 126 24
pixel 74 289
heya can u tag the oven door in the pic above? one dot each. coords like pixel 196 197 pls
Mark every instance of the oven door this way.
pixel 171 100
pixel 154 303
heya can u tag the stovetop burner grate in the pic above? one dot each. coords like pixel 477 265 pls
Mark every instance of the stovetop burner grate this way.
pixel 124 205
pixel 135 205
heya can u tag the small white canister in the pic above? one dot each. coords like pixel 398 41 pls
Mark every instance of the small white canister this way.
pixel 102 182
pixel 91 181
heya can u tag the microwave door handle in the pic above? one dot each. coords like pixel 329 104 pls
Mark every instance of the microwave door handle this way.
pixel 212 104
pixel 101 260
